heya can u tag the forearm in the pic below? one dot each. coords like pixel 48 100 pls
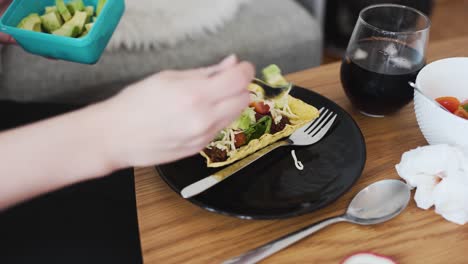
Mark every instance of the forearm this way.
pixel 47 155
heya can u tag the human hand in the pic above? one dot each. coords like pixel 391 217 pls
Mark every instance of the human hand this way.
pixel 4 38
pixel 175 114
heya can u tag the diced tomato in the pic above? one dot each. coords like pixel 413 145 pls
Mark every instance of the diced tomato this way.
pixel 450 103
pixel 461 112
pixel 240 139
pixel 260 107
pixel 464 104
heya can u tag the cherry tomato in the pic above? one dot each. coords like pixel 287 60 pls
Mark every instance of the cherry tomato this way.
pixel 450 103
pixel 240 139
pixel 464 104
pixel 260 107
pixel 461 112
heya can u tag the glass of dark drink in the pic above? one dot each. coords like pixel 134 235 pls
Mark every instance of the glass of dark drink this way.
pixel 386 51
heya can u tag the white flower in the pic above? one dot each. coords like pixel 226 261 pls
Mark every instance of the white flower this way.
pixel 440 174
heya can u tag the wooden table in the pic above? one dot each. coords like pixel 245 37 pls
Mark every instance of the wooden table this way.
pixel 173 230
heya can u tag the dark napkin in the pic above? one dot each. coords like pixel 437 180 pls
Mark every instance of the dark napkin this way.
pixel 90 222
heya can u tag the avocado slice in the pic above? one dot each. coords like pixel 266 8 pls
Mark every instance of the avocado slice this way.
pixel 89 26
pixel 51 21
pixel 100 6
pixel 63 10
pixel 272 75
pixel 67 30
pixel 49 9
pixel 31 22
pixel 84 34
pixel 75 6
pixel 89 10
pixel 79 19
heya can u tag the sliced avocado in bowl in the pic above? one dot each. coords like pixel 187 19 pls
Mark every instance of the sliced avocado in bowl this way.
pixel 31 22
pixel 51 21
pixel 63 10
pixel 84 34
pixel 49 9
pixel 89 26
pixel 71 18
pixel 67 30
pixel 89 10
pixel 79 20
pixel 75 6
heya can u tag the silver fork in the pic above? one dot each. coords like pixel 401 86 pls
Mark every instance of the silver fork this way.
pixel 308 134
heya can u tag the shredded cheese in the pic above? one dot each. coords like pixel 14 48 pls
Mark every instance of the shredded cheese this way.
pixel 227 142
pixel 276 115
pixel 232 139
pixel 220 146
pixel 287 112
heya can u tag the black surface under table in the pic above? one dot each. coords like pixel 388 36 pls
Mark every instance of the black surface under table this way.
pixel 91 222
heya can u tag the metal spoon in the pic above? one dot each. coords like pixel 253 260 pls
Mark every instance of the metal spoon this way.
pixel 272 92
pixel 412 84
pixel 377 203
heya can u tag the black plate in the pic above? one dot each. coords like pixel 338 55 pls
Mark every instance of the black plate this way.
pixel 272 187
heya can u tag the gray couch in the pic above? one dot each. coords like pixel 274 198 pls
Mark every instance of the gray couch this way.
pixel 285 32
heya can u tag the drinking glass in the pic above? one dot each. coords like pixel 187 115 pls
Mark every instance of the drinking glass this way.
pixel 386 50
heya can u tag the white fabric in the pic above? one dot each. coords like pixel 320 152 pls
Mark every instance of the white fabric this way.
pixel 151 23
pixel 440 174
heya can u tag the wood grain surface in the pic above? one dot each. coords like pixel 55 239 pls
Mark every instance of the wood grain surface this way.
pixel 173 230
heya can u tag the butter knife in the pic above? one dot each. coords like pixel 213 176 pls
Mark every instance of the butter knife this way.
pixel 308 134
pixel 208 182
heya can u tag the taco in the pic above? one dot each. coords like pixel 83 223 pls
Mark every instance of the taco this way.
pixel 264 122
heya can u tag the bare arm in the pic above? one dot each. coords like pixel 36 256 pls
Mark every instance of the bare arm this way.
pixel 163 118
pixel 47 155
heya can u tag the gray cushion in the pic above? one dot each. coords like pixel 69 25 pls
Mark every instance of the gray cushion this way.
pixel 264 32
pixel 316 7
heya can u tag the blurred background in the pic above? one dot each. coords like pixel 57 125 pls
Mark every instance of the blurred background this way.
pixel 447 18
pixel 295 34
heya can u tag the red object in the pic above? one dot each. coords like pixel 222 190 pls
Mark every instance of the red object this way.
pixel 461 112
pixel 368 258
pixel 260 107
pixel 240 139
pixel 464 104
pixel 450 103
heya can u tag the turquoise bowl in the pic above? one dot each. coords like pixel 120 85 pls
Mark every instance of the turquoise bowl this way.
pixel 86 50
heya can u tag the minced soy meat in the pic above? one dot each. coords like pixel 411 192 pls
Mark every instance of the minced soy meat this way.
pixel 280 126
pixel 215 154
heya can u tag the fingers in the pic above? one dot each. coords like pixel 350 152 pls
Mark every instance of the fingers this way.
pixel 205 72
pixel 226 111
pixel 228 83
pixel 239 75
pixel 6 39
pixel 217 116
pixel 226 63
pixel 4 5
pixel 225 84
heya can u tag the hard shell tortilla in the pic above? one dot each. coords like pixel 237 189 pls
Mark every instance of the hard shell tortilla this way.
pixel 304 112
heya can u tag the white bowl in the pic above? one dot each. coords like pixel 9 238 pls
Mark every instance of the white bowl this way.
pixel 447 77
